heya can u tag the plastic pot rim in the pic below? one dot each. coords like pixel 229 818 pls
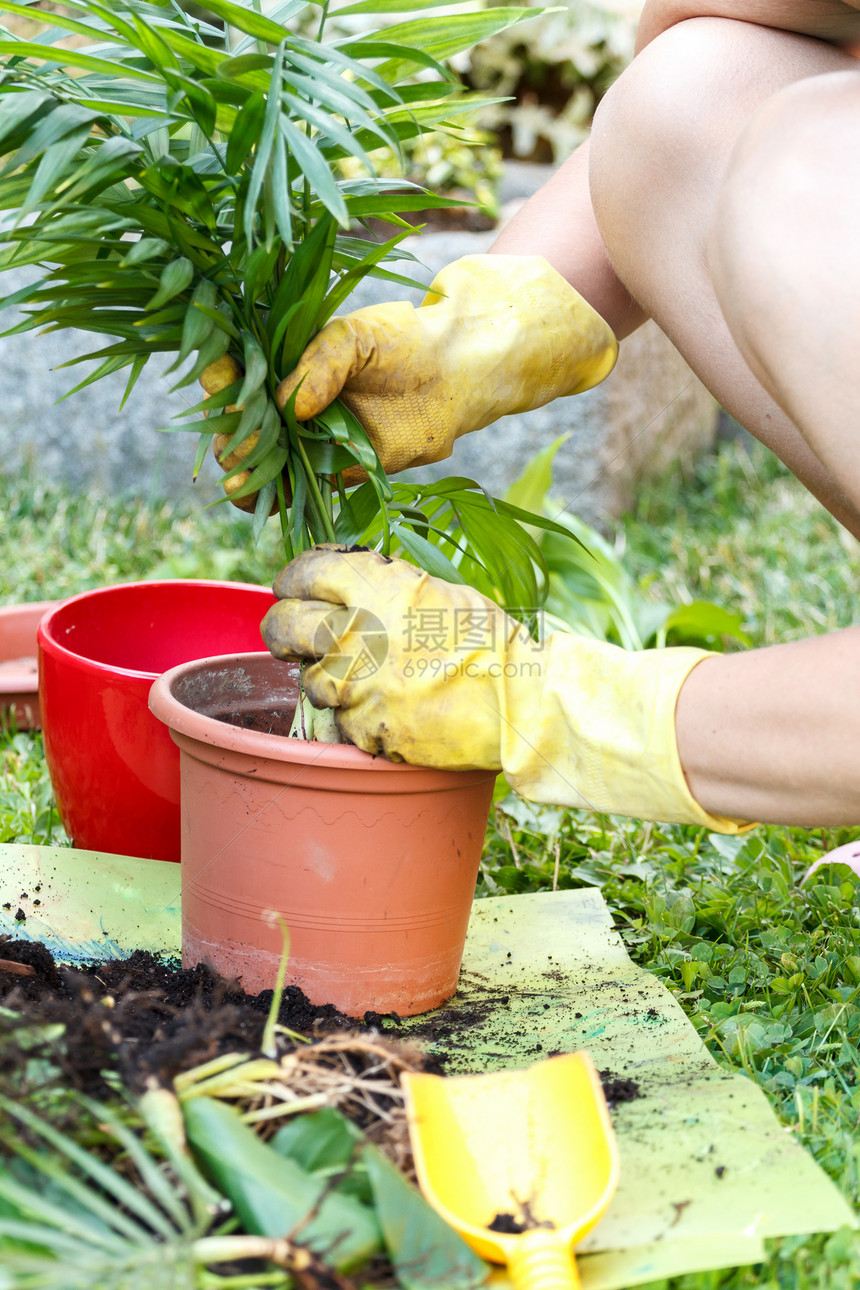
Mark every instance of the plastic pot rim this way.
pixel 208 730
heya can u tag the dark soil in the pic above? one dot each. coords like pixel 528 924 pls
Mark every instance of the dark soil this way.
pixel 265 720
pixel 139 1017
pixel 617 1088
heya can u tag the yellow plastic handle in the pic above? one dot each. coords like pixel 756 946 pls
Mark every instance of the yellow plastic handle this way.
pixel 541 1260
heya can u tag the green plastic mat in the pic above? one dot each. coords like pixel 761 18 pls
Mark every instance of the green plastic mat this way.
pixel 707 1171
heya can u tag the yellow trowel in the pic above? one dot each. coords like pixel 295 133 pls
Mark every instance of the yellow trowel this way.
pixel 521 1163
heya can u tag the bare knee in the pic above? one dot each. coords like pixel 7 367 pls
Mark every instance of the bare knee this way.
pixel 783 240
pixel 663 134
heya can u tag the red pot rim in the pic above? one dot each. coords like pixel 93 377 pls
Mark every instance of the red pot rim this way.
pixel 254 743
pixel 46 639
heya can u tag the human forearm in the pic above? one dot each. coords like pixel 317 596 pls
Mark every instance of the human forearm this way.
pixel 830 20
pixel 558 223
pixel 774 734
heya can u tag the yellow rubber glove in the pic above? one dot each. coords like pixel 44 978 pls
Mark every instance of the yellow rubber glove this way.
pixel 433 674
pixel 215 378
pixel 495 334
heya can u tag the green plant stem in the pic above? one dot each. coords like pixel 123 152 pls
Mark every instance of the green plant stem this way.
pixel 315 494
pixel 269 1042
pixel 284 518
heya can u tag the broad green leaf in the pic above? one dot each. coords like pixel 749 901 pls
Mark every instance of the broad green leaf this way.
pixel 327 458
pixel 329 127
pixel 426 1252
pixel 263 473
pixel 366 48
pixel 262 509
pixel 323 1140
pixel 213 348
pixel 263 150
pixel 702 623
pixel 355 517
pixel 157 50
pixel 274 1196
pixel 64 119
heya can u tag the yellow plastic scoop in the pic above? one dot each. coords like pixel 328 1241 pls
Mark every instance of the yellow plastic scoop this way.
pixel 521 1163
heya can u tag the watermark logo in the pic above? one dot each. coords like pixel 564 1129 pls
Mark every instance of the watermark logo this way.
pixel 351 642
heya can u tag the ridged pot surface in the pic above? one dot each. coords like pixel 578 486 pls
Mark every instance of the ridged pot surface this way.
pixel 372 865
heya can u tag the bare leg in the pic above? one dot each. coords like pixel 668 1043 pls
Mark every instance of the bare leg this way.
pixel 724 198
pixel 662 164
pixel 726 186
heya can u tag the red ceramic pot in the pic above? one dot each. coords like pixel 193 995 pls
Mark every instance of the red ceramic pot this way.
pixel 114 767
pixel 372 865
pixel 19 687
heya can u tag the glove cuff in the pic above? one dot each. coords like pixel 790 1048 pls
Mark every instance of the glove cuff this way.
pixel 597 731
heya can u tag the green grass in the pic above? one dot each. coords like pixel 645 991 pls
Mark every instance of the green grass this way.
pixel 767 970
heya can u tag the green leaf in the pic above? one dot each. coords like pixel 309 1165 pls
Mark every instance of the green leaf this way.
pixel 61 120
pixel 256 368
pixel 394 6
pixel 197 325
pixel 174 279
pixel 702 623
pixel 247 20
pixel 246 131
pixel 427 556
pixel 345 428
pixel 143 250
pixel 314 166
pixel 323 1140
pixel 327 458
pixel 531 489
pixel 274 1196
pixel 263 152
pixel 444 37
pixel 51 168
pixel 426 1252
pixel 357 514
pixel 75 58
pixel 262 509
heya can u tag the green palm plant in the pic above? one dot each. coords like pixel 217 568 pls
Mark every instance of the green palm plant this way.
pixel 176 177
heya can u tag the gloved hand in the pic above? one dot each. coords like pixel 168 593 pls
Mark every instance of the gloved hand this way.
pixel 435 674
pixel 495 334
pixel 215 378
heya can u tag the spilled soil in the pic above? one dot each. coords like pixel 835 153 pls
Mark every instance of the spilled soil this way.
pixel 145 1018
pixel 139 1018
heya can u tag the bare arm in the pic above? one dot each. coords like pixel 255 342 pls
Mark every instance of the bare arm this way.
pixel 830 20
pixel 771 734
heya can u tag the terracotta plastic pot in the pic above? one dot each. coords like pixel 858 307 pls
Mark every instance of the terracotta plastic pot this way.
pixel 19 671
pixel 114 768
pixel 372 865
